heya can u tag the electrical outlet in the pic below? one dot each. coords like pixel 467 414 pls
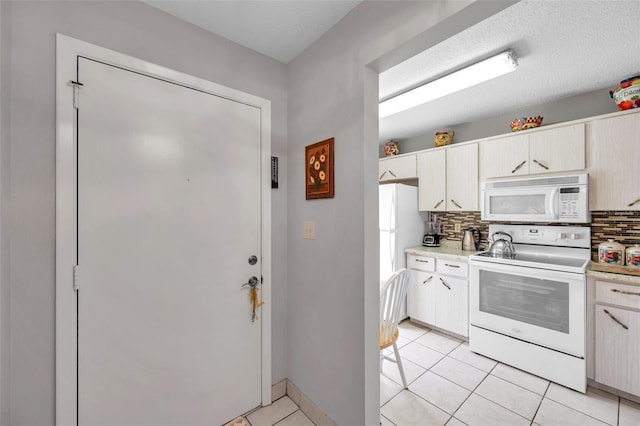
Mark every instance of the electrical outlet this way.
pixel 457 227
pixel 309 230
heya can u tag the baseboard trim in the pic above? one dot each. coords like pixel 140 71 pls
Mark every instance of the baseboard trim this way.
pixel 308 407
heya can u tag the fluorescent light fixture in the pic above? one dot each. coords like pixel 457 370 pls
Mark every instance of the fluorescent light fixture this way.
pixel 477 73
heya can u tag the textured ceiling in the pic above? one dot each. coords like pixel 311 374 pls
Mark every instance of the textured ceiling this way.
pixel 279 29
pixel 564 48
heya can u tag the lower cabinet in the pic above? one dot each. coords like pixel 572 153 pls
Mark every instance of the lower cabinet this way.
pixel 438 294
pixel 617 336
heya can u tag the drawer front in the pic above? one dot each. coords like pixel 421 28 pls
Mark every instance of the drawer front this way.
pixel 422 263
pixel 618 294
pixel 455 268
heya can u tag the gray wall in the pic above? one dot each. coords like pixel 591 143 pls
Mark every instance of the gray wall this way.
pixel 28 167
pixel 584 105
pixel 333 280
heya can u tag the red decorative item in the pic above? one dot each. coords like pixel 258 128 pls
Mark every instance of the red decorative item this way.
pixel 525 123
pixel 627 94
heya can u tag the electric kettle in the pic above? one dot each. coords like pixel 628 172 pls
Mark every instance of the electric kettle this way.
pixel 471 239
pixel 500 246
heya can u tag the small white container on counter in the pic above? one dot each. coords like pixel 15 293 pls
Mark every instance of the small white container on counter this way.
pixel 611 252
pixel 633 256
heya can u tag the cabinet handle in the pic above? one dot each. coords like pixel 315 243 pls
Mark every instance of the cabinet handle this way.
pixel 438 203
pixel 445 284
pixel 423 261
pixel 427 280
pixel 451 266
pixel 615 290
pixel 382 175
pixel 615 319
pixel 456 204
pixel 633 203
pixel 541 165
pixel 392 174
pixel 518 167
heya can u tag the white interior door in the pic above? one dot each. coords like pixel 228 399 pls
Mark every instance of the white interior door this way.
pixel 168 214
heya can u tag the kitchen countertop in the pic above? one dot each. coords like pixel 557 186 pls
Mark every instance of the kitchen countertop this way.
pixel 592 271
pixel 447 250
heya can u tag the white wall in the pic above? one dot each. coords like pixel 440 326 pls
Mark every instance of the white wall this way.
pixel 333 280
pixel 28 160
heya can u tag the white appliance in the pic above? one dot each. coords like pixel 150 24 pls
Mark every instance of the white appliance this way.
pixel 401 227
pixel 528 309
pixel 549 199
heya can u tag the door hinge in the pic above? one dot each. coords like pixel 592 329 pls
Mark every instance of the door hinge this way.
pixel 75 277
pixel 76 93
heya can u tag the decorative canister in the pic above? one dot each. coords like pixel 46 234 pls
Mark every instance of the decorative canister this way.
pixel 611 252
pixel 443 138
pixel 633 256
pixel 627 94
pixel 391 148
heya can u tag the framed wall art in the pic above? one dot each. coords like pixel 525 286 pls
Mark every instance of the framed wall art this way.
pixel 319 170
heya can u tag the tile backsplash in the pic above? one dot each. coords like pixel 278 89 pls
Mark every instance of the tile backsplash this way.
pixel 466 220
pixel 622 226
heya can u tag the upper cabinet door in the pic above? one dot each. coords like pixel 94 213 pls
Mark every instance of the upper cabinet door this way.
pixel 396 168
pixel 613 163
pixel 432 180
pixel 557 150
pixel 462 177
pixel 506 156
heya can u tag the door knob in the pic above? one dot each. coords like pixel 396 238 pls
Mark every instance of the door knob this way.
pixel 253 260
pixel 253 282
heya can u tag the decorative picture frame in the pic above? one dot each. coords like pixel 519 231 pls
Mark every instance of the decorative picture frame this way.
pixel 318 158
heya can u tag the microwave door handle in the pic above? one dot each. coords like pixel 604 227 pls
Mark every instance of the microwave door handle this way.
pixel 553 198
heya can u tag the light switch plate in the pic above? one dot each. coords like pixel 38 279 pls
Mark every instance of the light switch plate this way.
pixel 309 230
pixel 456 227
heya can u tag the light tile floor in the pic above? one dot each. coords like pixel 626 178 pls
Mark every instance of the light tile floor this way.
pixel 450 385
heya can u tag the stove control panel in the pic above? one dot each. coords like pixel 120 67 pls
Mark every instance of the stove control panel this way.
pixel 561 236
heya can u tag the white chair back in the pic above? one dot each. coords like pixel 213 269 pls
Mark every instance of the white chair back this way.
pixel 391 297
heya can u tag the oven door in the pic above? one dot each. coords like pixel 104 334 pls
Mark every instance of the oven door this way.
pixel 543 307
pixel 533 204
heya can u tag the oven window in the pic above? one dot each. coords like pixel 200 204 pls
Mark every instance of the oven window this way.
pixel 536 301
pixel 517 204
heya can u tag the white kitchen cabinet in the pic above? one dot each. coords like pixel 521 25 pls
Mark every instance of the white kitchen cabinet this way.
pixel 613 154
pixel 421 298
pixel 537 151
pixel 439 297
pixel 448 178
pixel 617 336
pixel 397 168
pixel 506 156
pixel 462 177
pixel 557 150
pixel 432 185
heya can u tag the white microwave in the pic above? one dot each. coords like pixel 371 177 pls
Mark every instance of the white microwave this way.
pixel 548 199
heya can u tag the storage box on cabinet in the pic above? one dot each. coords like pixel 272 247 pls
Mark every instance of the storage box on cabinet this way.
pixel 397 168
pixel 617 336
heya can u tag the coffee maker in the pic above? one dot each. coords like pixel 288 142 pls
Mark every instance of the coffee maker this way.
pixel 432 232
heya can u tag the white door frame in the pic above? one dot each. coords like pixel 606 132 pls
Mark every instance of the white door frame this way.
pixel 67 51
